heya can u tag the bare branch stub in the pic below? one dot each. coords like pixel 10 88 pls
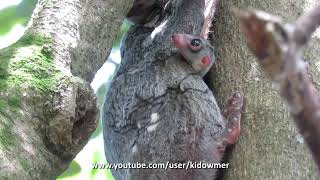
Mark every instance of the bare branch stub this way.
pixel 208 15
pixel 306 25
pixel 277 47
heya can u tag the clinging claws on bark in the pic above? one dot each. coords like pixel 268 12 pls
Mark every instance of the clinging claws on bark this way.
pixel 232 112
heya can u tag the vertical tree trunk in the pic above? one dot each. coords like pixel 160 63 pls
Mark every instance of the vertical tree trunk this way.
pixel 270 146
pixel 47 113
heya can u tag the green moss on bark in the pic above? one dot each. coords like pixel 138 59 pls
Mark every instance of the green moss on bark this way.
pixel 27 64
pixel 24 164
pixel 4 177
pixel 7 138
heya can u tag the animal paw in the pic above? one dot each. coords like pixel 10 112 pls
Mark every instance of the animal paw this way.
pixel 232 113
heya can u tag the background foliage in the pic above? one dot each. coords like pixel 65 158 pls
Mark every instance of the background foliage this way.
pixel 14 17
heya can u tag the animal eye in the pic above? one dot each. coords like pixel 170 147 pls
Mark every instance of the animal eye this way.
pixel 195 45
pixel 196 42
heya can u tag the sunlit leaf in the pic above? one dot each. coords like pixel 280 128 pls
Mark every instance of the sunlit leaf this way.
pixel 98 157
pixel 9 18
pixel 73 169
pixel 124 28
pixel 18 14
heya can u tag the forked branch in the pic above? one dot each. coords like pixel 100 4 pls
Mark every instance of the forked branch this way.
pixel 278 47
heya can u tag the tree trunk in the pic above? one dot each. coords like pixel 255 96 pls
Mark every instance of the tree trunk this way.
pixel 47 113
pixel 270 146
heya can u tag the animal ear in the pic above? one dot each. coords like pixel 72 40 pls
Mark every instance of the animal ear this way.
pixel 206 60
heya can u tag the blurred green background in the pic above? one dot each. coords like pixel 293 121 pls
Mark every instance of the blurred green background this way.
pixel 14 17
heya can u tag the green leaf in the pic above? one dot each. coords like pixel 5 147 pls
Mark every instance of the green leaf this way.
pixel 9 18
pixel 73 169
pixel 124 28
pixel 98 157
pixel 13 15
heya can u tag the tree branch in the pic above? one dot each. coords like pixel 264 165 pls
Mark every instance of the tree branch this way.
pixel 47 113
pixel 210 9
pixel 277 47
pixel 306 25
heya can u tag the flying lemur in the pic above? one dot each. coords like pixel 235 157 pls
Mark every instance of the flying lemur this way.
pixel 198 52
pixel 152 117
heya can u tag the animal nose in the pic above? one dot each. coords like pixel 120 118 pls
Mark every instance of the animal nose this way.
pixel 174 37
pixel 177 40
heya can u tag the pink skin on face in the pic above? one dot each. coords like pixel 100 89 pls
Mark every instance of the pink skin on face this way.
pixel 206 61
pixel 178 41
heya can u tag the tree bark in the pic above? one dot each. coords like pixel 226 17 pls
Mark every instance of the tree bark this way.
pixel 47 108
pixel 270 146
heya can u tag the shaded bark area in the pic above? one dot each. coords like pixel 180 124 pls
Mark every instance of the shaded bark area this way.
pixel 47 112
pixel 270 147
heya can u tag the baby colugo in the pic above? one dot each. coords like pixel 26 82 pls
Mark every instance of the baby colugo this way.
pixel 198 52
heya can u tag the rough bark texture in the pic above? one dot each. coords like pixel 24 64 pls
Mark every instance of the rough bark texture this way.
pixel 278 46
pixel 157 110
pixel 47 113
pixel 83 31
pixel 270 146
